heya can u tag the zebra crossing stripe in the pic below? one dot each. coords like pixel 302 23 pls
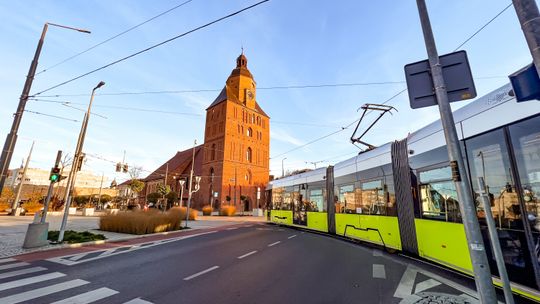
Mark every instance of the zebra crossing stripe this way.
pixel 14 265
pixel 7 260
pixel 40 292
pixel 31 280
pixel 138 301
pixel 21 272
pixel 88 297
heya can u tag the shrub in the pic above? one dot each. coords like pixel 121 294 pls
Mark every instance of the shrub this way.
pixel 32 206
pixel 141 222
pixel 207 210
pixel 72 237
pixel 192 213
pixel 4 206
pixel 227 210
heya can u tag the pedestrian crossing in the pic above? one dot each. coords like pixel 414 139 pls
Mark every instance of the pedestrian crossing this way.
pixel 22 282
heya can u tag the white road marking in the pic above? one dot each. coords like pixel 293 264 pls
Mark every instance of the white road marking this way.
pixel 66 260
pixel 138 301
pixel 7 260
pixel 406 284
pixel 88 297
pixel 377 252
pixel 427 284
pixel 379 271
pixel 275 243
pixel 40 292
pixel 292 236
pixel 247 254
pixel 21 272
pixel 232 228
pixel 78 256
pixel 471 299
pixel 14 265
pixel 201 273
pixel 109 252
pixel 30 280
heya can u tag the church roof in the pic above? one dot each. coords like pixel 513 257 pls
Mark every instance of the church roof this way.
pixel 227 94
pixel 179 164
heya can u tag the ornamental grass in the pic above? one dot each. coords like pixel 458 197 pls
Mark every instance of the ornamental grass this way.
pixel 227 210
pixel 192 213
pixel 207 210
pixel 142 222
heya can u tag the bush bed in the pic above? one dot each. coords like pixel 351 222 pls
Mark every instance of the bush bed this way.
pixel 227 210
pixel 192 213
pixel 207 210
pixel 142 222
pixel 72 237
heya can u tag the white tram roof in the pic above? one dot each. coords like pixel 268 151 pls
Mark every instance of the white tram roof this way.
pixel 486 113
pixel 302 178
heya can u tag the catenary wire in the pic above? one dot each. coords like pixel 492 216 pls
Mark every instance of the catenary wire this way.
pixel 113 37
pixel 152 47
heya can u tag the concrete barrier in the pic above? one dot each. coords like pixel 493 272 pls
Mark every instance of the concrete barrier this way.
pixel 36 235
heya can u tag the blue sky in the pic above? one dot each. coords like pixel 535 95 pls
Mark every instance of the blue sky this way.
pixel 287 42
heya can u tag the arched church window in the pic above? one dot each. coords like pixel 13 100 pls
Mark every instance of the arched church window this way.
pixel 249 132
pixel 249 154
pixel 213 153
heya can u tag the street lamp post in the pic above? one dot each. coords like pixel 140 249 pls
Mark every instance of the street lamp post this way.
pixel 197 185
pixel 11 138
pixel 76 160
pixel 282 167
pixel 182 183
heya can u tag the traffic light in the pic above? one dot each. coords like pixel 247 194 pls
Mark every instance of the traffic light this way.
pixel 125 168
pixel 118 167
pixel 80 162
pixel 55 175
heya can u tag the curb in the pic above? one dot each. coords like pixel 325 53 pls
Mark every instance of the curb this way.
pixel 101 242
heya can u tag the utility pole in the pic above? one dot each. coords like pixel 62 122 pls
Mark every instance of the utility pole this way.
pixel 15 204
pixel 100 188
pixel 529 19
pixel 191 184
pixel 283 167
pixel 11 138
pixel 477 251
pixel 76 160
pixel 235 183
pixel 51 188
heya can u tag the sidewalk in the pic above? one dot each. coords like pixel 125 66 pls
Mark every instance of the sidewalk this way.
pixel 13 229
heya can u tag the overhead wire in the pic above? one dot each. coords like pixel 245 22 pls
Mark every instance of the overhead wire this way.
pixel 152 47
pixel 113 37
pixel 50 115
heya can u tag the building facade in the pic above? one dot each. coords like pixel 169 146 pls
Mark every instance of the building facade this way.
pixel 236 144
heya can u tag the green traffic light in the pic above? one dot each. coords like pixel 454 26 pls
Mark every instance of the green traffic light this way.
pixel 54 177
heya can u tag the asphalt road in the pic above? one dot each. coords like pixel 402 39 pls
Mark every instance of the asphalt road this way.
pixel 254 263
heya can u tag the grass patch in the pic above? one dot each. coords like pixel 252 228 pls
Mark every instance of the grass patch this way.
pixel 72 237
pixel 143 222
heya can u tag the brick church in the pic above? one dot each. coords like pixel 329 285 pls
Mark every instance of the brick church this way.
pixel 234 159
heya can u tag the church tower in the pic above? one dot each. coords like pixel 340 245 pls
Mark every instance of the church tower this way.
pixel 236 144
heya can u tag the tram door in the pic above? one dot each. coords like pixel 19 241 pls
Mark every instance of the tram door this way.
pixel 489 156
pixel 299 197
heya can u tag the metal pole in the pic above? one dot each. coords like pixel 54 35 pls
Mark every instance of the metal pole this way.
pixel 476 247
pixel 282 167
pixel 190 184
pixel 529 18
pixel 21 184
pixel 494 238
pixel 76 159
pixel 235 183
pixel 51 187
pixel 11 138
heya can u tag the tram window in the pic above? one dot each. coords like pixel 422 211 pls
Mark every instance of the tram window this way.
pixel 373 201
pixel 390 196
pixel 488 157
pixel 438 195
pixel 287 199
pixel 277 198
pixel 316 200
pixel 346 202
pixel 526 142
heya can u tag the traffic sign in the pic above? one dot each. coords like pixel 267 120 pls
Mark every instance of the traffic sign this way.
pixel 457 77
